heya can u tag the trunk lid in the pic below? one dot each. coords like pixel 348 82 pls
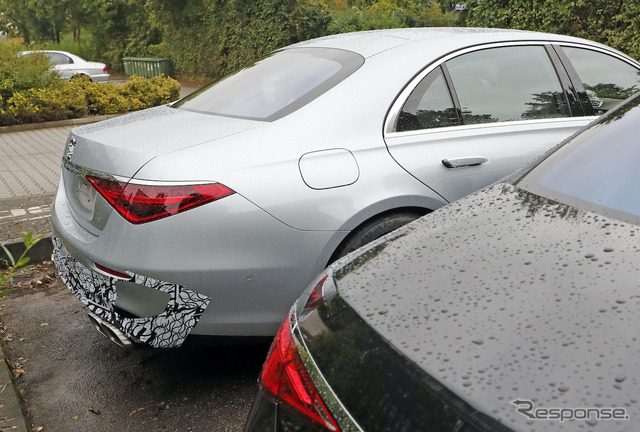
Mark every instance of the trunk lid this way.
pixel 119 147
pixel 122 145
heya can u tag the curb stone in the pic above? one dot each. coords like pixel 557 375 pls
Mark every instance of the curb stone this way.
pixel 40 252
pixel 11 416
pixel 58 123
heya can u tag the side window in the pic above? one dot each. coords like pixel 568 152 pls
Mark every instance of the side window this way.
pixel 57 58
pixel 607 79
pixel 507 84
pixel 428 106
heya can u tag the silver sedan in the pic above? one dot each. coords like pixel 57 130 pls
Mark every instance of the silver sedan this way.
pixel 210 215
pixel 70 66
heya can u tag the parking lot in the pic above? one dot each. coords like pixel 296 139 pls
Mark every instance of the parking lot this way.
pixel 73 379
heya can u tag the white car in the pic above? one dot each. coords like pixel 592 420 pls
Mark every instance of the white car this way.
pixel 70 65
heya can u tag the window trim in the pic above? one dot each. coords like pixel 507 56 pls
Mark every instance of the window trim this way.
pixel 571 94
pixel 561 65
pixel 575 77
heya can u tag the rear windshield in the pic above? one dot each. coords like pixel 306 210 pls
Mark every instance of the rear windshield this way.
pixel 598 169
pixel 276 85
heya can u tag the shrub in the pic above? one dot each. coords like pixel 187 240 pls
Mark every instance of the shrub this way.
pixel 100 99
pixel 40 105
pixel 142 93
pixel 20 73
pixel 81 97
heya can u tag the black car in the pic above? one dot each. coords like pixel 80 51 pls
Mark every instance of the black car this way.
pixel 516 308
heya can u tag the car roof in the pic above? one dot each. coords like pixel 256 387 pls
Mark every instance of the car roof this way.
pixel 52 52
pixel 370 43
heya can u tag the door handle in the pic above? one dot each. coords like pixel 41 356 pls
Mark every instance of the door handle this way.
pixel 464 162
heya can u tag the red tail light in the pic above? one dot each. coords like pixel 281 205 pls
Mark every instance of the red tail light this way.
pixel 105 70
pixel 315 298
pixel 113 272
pixel 145 203
pixel 285 380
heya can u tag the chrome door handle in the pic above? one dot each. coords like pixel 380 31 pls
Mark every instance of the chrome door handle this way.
pixel 464 162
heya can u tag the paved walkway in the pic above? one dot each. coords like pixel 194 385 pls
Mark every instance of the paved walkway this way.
pixel 29 176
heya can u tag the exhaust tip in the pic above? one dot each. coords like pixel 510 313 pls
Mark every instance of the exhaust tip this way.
pixel 110 331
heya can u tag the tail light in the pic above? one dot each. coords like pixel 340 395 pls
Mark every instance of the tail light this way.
pixel 139 203
pixel 286 381
pixel 105 70
pixel 316 298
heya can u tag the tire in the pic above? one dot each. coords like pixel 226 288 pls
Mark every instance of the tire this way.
pixel 371 230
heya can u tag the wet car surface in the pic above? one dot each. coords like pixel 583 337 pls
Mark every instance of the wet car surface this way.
pixel 513 309
pixel 208 216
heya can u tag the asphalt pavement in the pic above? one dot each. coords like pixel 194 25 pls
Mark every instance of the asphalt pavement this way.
pixel 30 167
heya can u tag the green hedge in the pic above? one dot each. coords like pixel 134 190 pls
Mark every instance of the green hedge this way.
pixel 80 97
pixel 20 73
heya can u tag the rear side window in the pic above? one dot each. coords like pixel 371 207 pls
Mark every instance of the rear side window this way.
pixel 507 84
pixel 607 79
pixel 428 106
pixel 57 58
pixel 275 86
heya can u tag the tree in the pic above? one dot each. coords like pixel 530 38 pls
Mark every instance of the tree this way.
pixel 613 22
pixel 37 19
pixel 214 37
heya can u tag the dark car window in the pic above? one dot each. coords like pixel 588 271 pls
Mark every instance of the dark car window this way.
pixel 57 58
pixel 277 85
pixel 607 79
pixel 507 84
pixel 598 169
pixel 428 106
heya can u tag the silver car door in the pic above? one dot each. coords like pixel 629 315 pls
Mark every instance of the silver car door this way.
pixel 480 116
pixel 63 64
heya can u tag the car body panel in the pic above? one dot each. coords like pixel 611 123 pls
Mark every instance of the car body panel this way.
pixel 503 146
pixel 244 264
pixel 169 326
pixel 122 145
